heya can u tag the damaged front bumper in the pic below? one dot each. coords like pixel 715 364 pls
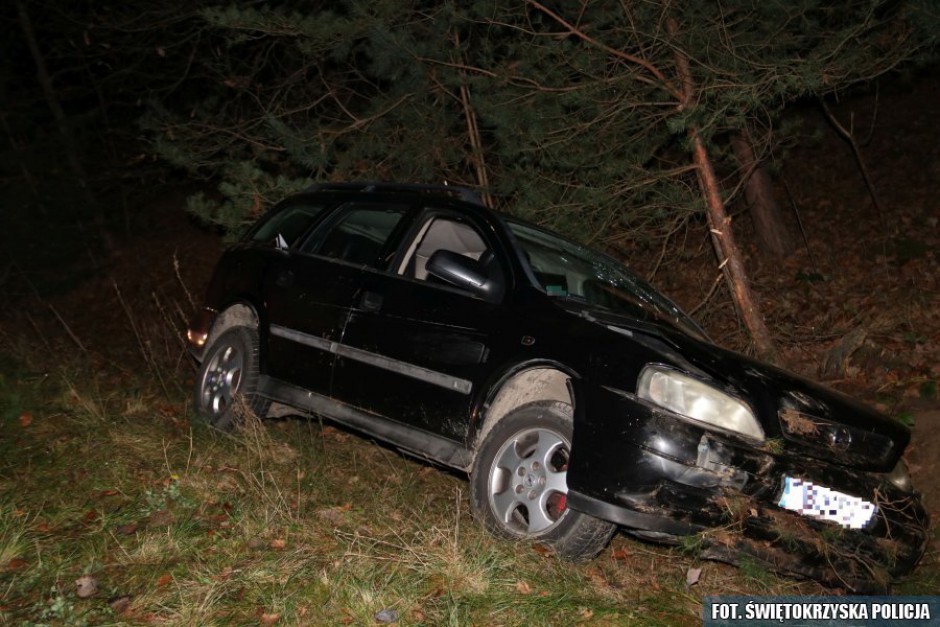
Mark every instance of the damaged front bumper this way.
pixel 663 476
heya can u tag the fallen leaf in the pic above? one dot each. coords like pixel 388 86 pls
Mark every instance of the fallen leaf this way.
pixel 16 563
pixel 164 580
pixel 120 605
pixel 597 577
pixel 523 588
pixel 387 616
pixel 335 434
pixel 692 576
pixel 269 619
pixel 585 613
pixel 163 518
pixel 168 410
pixel 332 515
pixel 86 586
pixel 26 418
pixel 278 544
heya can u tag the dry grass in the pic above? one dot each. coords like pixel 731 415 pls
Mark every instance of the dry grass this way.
pixel 286 522
pixel 182 525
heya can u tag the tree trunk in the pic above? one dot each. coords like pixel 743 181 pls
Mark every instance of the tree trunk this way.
pixel 772 234
pixel 69 145
pixel 45 82
pixel 719 222
pixel 474 137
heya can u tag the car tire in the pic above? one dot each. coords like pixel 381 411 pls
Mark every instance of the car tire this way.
pixel 518 486
pixel 227 383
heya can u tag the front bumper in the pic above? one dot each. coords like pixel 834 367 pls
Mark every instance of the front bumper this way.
pixel 651 471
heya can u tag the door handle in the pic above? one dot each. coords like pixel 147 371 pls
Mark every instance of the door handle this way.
pixel 371 301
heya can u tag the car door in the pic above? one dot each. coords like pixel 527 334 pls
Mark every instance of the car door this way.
pixel 415 348
pixel 311 288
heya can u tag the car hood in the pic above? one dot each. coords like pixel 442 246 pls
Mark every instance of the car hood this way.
pixel 803 415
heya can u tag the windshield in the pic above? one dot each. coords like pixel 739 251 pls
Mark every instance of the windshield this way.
pixel 565 269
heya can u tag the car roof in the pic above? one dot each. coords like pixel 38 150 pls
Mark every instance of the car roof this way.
pixel 370 187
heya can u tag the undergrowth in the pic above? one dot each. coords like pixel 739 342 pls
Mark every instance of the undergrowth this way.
pixel 286 522
pixel 103 475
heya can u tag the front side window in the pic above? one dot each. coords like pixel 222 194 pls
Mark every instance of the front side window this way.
pixel 359 234
pixel 566 269
pixel 440 233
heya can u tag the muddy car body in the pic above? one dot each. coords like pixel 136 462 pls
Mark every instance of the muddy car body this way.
pixel 577 398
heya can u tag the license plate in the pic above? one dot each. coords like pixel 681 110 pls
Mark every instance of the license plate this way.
pixel 816 501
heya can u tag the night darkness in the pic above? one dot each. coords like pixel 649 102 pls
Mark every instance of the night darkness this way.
pixel 102 266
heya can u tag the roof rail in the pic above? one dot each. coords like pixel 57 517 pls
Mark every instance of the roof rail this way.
pixel 463 193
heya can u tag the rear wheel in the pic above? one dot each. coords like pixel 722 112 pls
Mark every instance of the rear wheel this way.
pixel 226 387
pixel 519 489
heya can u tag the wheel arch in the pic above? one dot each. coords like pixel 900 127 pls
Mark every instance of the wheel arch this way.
pixel 528 382
pixel 242 313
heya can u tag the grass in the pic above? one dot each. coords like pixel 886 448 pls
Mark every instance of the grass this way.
pixel 286 522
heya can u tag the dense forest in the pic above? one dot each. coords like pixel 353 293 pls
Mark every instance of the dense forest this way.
pixel 610 121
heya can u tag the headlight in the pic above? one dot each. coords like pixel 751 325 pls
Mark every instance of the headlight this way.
pixel 689 397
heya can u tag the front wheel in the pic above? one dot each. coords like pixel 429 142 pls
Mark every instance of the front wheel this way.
pixel 228 380
pixel 519 489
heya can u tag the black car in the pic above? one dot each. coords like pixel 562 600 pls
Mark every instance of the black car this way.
pixel 578 398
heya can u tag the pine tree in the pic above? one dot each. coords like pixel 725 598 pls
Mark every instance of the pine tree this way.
pixel 594 118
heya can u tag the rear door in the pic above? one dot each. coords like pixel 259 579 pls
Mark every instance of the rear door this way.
pixel 310 290
pixel 415 349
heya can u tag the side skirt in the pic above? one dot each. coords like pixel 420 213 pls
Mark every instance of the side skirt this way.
pixel 413 441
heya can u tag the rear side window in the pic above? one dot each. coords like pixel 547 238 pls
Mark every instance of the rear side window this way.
pixel 283 228
pixel 359 234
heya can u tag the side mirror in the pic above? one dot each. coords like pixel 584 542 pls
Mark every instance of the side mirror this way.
pixel 484 280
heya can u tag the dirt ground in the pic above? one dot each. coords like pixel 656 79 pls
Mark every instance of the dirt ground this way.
pixel 924 461
pixel 862 292
pixel 859 272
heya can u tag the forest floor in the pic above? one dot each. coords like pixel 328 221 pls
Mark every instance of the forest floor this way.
pixel 857 306
pixel 862 290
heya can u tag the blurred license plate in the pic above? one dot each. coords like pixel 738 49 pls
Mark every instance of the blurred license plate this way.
pixel 816 501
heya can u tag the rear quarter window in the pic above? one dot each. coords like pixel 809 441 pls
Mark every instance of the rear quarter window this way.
pixel 289 223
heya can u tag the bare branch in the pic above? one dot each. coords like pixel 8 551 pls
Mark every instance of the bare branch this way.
pixel 660 78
